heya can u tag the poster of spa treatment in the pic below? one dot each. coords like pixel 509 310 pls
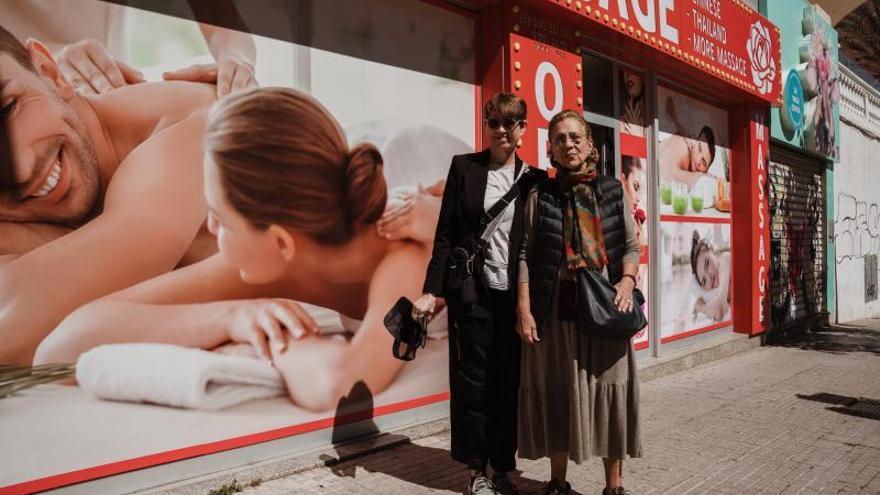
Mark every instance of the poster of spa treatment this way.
pixel 696 277
pixel 634 175
pixel 693 154
pixel 172 232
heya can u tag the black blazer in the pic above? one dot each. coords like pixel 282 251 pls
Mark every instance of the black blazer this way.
pixel 462 210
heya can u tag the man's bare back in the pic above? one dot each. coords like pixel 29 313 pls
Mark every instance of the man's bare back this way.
pixel 675 160
pixel 115 181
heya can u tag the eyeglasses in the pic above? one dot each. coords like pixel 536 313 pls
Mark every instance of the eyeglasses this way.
pixel 562 138
pixel 508 123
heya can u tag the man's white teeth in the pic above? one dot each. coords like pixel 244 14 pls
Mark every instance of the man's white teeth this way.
pixel 51 181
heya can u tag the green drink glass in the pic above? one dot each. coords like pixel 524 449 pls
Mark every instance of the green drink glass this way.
pixel 679 204
pixel 666 194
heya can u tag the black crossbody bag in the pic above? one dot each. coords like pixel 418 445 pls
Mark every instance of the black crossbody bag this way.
pixel 595 312
pixel 462 258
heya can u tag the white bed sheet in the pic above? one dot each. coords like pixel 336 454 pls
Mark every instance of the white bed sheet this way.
pixel 55 429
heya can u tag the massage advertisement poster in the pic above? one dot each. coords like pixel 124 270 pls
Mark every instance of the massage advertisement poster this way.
pixel 634 173
pixel 809 117
pixel 109 249
pixel 694 157
pixel 695 203
pixel 695 277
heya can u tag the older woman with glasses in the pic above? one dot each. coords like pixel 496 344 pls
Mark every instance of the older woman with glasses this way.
pixel 579 395
pixel 484 349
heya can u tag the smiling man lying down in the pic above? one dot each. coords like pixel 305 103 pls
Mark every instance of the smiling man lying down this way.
pixel 102 191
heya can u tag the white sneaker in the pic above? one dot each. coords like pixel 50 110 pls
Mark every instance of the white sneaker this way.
pixel 480 485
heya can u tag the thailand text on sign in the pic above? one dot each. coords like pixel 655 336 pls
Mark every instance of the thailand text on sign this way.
pixel 549 80
pixel 725 38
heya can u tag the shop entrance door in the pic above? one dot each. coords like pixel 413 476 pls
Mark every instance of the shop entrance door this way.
pixel 615 106
pixel 599 110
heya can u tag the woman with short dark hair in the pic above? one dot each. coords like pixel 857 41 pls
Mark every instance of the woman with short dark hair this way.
pixel 484 350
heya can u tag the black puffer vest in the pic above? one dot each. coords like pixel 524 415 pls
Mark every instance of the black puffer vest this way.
pixel 548 251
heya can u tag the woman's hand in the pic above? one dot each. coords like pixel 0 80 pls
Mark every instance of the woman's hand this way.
pixel 526 327
pixel 230 73
pixel 88 66
pixel 424 306
pixel 623 300
pixel 264 321
pixel 414 216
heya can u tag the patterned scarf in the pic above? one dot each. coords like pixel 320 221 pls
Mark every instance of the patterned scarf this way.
pixel 584 240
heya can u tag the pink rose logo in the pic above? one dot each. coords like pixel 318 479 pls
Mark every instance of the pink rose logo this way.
pixel 760 56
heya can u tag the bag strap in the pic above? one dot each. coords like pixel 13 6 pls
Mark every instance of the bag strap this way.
pixel 492 217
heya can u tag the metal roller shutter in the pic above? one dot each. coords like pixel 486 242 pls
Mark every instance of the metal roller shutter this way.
pixel 797 242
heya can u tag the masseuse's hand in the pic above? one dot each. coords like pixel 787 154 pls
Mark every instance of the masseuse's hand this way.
pixel 624 298
pixel 412 215
pixel 231 73
pixel 88 66
pixel 262 322
pixel 424 306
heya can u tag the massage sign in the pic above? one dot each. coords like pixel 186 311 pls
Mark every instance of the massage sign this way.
pixel 724 38
pixel 760 157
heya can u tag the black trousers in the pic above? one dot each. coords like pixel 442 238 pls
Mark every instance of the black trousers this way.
pixel 484 362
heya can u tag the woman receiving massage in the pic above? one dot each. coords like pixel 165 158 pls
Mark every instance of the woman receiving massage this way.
pixel 294 211
pixel 712 272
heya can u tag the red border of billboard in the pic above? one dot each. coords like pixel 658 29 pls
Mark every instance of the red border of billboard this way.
pixel 92 473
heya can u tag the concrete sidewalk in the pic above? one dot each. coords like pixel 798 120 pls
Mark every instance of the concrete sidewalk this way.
pixel 773 420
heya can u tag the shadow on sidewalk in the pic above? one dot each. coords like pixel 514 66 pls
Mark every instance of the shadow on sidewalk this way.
pixel 395 455
pixel 837 339
pixel 427 467
pixel 852 406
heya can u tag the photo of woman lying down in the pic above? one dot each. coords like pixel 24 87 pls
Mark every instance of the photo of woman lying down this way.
pixel 295 213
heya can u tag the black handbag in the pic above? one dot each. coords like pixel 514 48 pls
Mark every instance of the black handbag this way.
pixel 597 314
pixel 463 258
pixel 405 329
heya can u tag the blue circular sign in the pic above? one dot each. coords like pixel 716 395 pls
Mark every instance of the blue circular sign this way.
pixel 792 111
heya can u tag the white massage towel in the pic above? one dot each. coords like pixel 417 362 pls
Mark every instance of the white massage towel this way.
pixel 177 376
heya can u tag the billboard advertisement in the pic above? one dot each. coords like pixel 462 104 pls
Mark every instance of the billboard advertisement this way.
pixel 725 39
pixel 693 153
pixel 809 117
pixel 217 258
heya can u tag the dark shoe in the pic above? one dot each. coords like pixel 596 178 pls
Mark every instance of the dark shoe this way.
pixel 616 491
pixel 556 487
pixel 480 485
pixel 503 484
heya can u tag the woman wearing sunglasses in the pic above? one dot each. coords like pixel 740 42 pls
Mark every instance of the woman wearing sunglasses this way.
pixel 484 348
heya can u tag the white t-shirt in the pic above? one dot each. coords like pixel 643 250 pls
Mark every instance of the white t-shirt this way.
pixel 499 181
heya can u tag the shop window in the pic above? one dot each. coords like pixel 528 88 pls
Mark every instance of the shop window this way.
pixel 693 160
pixel 598 85
pixel 634 170
pixel 603 139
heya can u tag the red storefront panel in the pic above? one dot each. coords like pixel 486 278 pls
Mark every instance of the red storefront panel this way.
pixel 549 80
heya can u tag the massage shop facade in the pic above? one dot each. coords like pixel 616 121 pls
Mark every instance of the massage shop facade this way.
pixel 677 93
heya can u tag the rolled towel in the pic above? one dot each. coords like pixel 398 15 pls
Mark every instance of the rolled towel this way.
pixel 176 376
